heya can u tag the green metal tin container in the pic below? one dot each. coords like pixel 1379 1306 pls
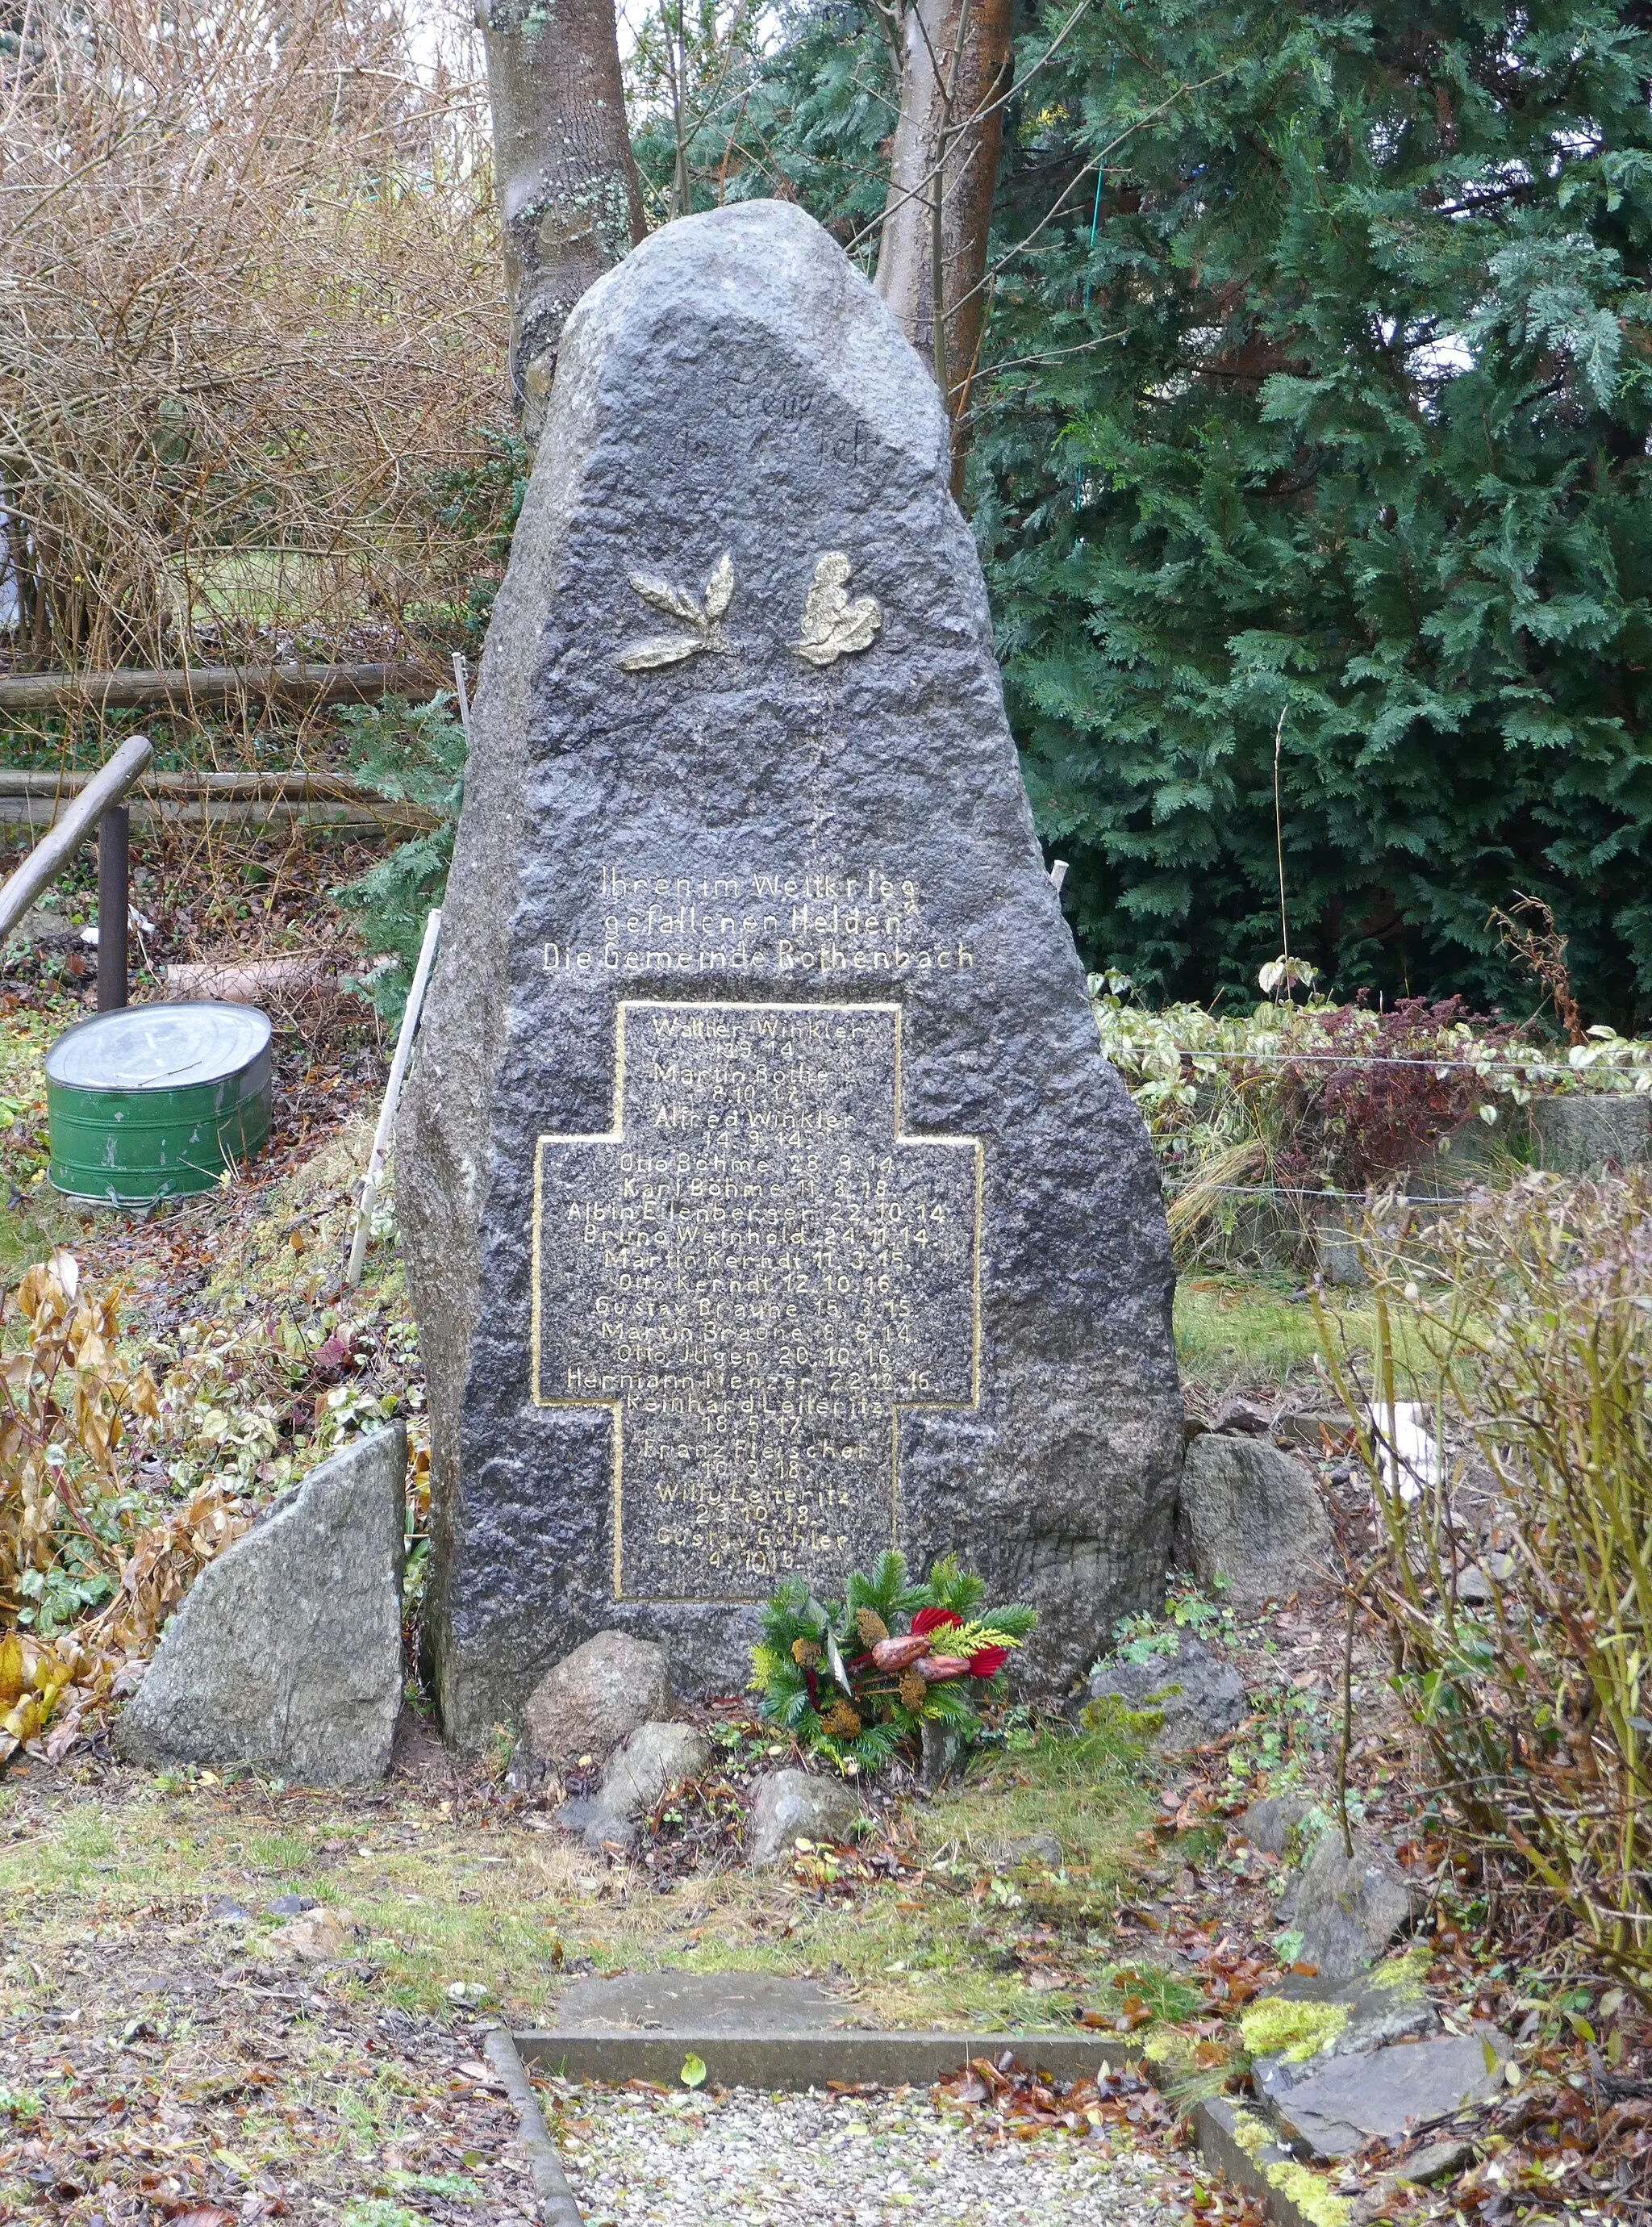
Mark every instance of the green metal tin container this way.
pixel 154 1101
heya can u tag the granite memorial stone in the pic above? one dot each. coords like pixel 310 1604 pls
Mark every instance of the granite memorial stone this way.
pixel 765 1196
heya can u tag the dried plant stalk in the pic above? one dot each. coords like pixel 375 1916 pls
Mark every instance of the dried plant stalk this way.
pixel 251 316
pixel 1527 1316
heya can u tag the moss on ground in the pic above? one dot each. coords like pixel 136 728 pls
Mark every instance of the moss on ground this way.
pixel 1270 2027
pixel 1310 2192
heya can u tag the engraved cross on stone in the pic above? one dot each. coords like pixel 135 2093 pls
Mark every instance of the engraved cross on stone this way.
pixel 754 1273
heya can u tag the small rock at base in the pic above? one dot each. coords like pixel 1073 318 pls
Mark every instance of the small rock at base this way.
pixel 653 1759
pixel 1348 1909
pixel 1251 1516
pixel 320 1936
pixel 794 1805
pixel 1439 2162
pixel 589 1701
pixel 1197 1696
pixel 1269 1823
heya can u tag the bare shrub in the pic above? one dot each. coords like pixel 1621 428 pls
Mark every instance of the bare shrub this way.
pixel 251 327
pixel 1515 1573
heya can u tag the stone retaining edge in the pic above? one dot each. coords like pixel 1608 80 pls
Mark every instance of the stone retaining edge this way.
pixel 772 2061
pixel 556 2199
pixel 1240 2146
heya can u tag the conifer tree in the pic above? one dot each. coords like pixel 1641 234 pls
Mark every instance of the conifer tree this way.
pixel 1322 396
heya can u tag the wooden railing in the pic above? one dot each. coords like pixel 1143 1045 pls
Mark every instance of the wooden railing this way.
pixel 101 803
pixel 198 687
pixel 35 799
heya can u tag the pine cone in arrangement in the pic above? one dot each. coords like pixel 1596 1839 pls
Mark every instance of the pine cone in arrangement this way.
pixel 913 1691
pixel 896 1654
pixel 870 1626
pixel 805 1653
pixel 841 1722
pixel 935 1669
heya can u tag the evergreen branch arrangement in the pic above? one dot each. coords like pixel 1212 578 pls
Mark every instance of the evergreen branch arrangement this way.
pixel 857 1679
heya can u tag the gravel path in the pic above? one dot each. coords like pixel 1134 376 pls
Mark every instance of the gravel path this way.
pixel 738 2159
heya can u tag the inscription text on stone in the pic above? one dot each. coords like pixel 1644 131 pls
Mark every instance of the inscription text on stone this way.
pixel 754 1272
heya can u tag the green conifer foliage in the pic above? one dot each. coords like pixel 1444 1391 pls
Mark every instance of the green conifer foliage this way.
pixel 1343 414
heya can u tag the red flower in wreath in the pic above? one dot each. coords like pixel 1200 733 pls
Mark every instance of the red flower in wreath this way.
pixel 985 1663
pixel 934 1619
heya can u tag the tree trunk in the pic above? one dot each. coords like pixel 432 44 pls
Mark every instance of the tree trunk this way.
pixel 568 185
pixel 954 64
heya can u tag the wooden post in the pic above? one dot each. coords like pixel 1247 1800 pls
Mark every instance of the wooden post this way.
pixel 114 836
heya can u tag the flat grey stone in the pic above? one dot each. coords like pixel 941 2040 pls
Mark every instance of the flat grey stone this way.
pixel 650 1762
pixel 1269 1823
pixel 1389 2091
pixel 704 2002
pixel 1348 1911
pixel 1439 2161
pixel 1250 1515
pixel 1198 1697
pixel 793 1804
pixel 743 843
pixel 1387 2006
pixel 589 1702
pixel 1588 1132
pixel 286 1652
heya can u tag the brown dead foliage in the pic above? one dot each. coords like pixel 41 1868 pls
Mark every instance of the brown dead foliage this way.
pixel 251 315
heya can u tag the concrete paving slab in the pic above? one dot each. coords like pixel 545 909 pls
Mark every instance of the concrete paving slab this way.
pixel 704 2002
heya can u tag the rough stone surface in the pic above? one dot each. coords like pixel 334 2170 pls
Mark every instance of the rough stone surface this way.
pixel 1376 2010
pixel 1269 1823
pixel 791 1805
pixel 822 818
pixel 589 1702
pixel 319 1936
pixel 1198 1695
pixel 1439 2161
pixel 1583 1135
pixel 1348 1911
pixel 1250 1514
pixel 1389 2090
pixel 654 1758
pixel 287 1650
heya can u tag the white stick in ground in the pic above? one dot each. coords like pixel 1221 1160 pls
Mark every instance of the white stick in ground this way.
pixel 461 690
pixel 381 1135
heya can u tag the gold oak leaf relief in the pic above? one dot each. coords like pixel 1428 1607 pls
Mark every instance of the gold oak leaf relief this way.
pixel 832 626
pixel 703 619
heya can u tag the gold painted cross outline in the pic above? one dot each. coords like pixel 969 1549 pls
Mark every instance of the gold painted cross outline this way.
pixel 615 1135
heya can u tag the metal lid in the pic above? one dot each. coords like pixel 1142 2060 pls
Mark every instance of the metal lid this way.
pixel 158 1047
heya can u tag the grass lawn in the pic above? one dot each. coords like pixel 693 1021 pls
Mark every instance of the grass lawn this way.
pixel 1257 1330
pixel 441 1896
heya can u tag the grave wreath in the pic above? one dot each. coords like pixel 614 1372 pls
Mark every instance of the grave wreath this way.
pixel 846 1682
